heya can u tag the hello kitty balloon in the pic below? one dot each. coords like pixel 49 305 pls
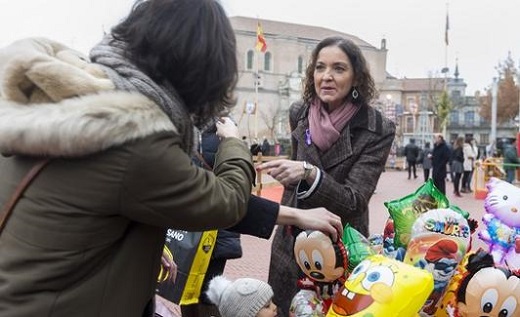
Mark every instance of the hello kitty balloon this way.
pixel 502 222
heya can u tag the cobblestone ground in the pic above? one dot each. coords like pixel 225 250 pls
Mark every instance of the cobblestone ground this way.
pixel 392 185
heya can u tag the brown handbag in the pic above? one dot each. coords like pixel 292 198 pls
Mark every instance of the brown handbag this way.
pixel 20 189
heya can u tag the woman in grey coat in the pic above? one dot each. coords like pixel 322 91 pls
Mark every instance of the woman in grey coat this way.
pixel 426 160
pixel 339 148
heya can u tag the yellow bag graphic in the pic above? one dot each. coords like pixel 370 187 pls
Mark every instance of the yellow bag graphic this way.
pixel 191 251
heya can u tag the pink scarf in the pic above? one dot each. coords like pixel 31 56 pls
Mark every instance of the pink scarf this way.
pixel 325 128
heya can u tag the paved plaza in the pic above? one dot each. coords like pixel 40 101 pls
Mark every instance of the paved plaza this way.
pixel 392 185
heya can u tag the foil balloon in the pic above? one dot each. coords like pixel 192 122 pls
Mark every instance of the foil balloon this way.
pixel 389 248
pixel 357 245
pixel 380 286
pixel 406 210
pixel 488 290
pixel 439 241
pixel 502 220
pixel 324 263
pixel 307 304
pixel 318 257
pixel 448 304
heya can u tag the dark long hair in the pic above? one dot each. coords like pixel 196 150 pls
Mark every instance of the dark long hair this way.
pixel 364 83
pixel 188 43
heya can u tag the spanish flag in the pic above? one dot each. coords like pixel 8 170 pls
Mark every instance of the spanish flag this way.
pixel 261 45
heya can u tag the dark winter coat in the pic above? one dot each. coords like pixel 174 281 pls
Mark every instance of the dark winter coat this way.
pixel 411 152
pixel 457 160
pixel 440 157
pixel 350 171
pixel 261 215
pixel 86 237
pixel 510 157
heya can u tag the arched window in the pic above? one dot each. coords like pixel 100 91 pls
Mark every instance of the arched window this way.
pixel 300 65
pixel 250 58
pixel 267 61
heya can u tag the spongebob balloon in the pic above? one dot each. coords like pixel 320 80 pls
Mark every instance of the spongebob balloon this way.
pixel 380 286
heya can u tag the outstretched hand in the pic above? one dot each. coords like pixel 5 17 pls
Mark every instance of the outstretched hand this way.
pixel 287 172
pixel 320 219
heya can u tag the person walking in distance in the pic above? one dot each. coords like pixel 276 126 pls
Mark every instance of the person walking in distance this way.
pixel 457 164
pixel 470 155
pixel 511 161
pixel 440 158
pixel 411 152
pixel 426 160
pixel 339 148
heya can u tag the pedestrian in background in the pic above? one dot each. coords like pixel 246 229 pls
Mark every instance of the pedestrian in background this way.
pixel 426 160
pixel 511 161
pixel 470 155
pixel 266 147
pixel 440 158
pixel 339 148
pixel 411 152
pixel 86 237
pixel 457 164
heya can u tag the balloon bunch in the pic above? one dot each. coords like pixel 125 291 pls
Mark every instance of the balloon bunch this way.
pixel 424 250
pixel 502 220
pixel 430 234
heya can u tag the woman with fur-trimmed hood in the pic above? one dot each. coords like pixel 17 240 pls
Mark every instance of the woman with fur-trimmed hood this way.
pixel 86 237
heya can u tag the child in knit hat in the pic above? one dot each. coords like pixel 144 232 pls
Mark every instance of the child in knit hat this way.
pixel 244 297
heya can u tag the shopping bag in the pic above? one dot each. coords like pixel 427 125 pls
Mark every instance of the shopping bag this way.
pixel 191 251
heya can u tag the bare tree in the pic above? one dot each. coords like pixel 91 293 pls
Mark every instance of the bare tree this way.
pixel 270 116
pixel 507 96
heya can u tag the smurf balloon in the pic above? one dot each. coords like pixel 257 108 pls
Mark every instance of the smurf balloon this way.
pixel 440 238
pixel 502 220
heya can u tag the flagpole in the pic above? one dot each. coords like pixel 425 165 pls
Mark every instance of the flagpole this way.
pixel 446 43
pixel 262 47
pixel 256 94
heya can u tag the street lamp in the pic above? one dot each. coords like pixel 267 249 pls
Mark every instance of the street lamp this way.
pixel 518 116
pixel 518 87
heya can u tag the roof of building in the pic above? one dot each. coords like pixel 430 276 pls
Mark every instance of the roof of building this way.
pixel 422 84
pixel 300 31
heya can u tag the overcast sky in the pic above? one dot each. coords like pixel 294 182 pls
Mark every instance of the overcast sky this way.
pixel 481 33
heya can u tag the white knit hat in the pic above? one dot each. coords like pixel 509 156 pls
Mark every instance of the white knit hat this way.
pixel 244 297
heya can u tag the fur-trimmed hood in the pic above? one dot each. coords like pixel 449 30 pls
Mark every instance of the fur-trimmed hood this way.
pixel 56 103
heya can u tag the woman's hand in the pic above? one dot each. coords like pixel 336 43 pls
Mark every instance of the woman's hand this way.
pixel 226 128
pixel 311 219
pixel 287 172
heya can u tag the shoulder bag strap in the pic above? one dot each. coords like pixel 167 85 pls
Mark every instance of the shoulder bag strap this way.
pixel 203 161
pixel 20 189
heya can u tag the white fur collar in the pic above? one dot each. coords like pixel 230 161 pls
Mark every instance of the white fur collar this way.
pixel 79 126
pixel 54 102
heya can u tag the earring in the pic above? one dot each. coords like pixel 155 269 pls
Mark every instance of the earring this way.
pixel 355 93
